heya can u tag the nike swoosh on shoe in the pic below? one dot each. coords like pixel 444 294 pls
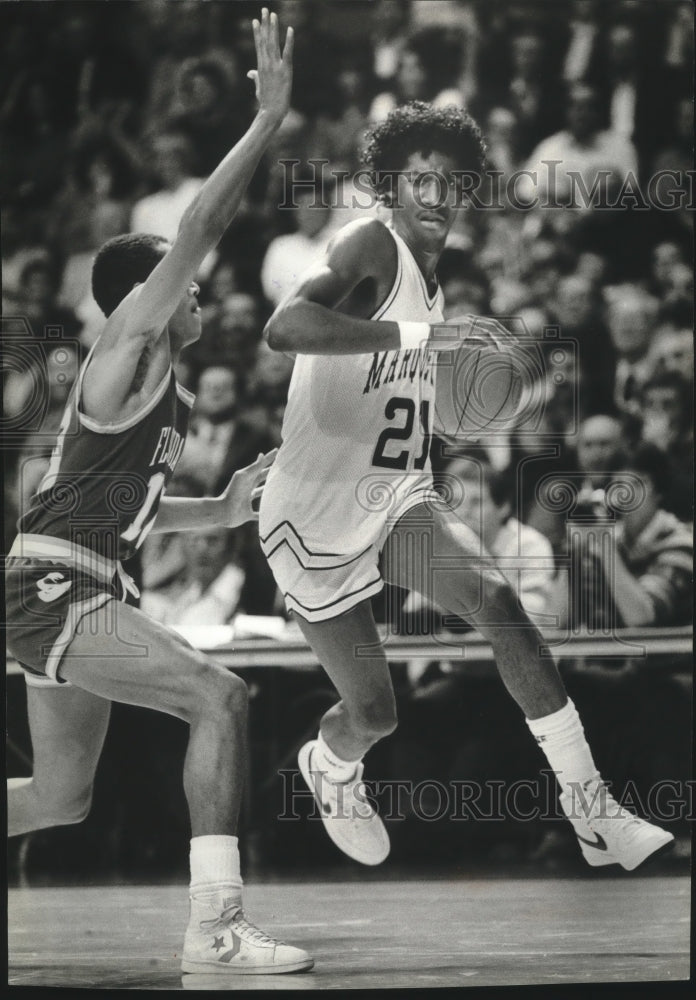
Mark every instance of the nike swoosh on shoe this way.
pixel 600 843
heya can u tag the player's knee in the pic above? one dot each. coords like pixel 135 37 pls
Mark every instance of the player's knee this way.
pixel 208 690
pixel 233 696
pixel 220 694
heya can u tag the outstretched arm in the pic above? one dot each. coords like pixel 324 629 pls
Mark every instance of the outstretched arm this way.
pixel 233 507
pixel 142 316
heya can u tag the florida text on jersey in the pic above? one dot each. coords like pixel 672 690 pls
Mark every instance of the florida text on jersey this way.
pixel 104 482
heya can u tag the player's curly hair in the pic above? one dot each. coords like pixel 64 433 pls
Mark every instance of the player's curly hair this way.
pixel 418 127
pixel 123 262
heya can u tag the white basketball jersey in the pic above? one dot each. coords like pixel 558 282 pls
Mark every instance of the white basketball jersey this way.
pixel 356 433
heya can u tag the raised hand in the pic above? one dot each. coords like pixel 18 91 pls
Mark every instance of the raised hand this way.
pixel 273 75
pixel 242 496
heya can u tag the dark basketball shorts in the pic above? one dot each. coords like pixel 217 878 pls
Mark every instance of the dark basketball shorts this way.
pixel 46 602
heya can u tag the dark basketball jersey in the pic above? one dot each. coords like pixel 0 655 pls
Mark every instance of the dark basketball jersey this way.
pixel 104 483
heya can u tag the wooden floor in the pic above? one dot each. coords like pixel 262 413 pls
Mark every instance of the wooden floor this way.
pixel 367 934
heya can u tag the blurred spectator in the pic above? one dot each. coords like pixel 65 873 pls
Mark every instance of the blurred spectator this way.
pixel 464 285
pixel 600 446
pixel 36 302
pixel 32 134
pixel 484 499
pixel 428 70
pixel 665 257
pixel 231 329
pixel 594 267
pixel 648 568
pixel 289 256
pixel 666 406
pixel 160 213
pixel 212 425
pixel 583 149
pixel 164 554
pixel 388 32
pixel 338 132
pixel 632 88
pixel 487 505
pixel 673 350
pixel 208 590
pixel 203 106
pixel 529 91
pixel 582 44
pixel 94 203
pixel 578 309
pixel 667 411
pixel 631 316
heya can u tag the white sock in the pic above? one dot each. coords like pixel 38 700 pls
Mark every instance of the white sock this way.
pixel 562 738
pixel 216 881
pixel 330 764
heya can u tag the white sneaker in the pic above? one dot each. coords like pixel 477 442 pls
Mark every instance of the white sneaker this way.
pixel 608 833
pixel 348 817
pixel 229 945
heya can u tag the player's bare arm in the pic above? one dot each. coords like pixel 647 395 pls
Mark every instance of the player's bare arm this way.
pixel 141 318
pixel 233 507
pixel 327 312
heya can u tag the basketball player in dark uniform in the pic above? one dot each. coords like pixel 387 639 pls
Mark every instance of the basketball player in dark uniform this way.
pixel 79 643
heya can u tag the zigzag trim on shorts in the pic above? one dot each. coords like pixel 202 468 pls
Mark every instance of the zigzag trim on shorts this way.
pixel 337 607
pixel 305 557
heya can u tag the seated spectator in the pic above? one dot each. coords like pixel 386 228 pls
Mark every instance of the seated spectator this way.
pixel 231 333
pixel 212 425
pixel 487 505
pixel 667 408
pixel 631 317
pixel 289 255
pixel 646 563
pixel 600 445
pixel 672 350
pixel 428 70
pixel 483 499
pixel 583 149
pixel 208 589
pixel 578 309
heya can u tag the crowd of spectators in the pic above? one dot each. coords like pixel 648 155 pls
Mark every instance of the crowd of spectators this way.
pixel 114 114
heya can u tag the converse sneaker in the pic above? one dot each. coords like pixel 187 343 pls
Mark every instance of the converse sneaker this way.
pixel 230 945
pixel 609 834
pixel 348 817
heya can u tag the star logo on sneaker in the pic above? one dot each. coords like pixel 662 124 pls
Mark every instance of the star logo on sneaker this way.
pixel 52 586
pixel 218 943
pixel 600 843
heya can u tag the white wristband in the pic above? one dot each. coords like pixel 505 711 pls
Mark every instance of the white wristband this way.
pixel 413 334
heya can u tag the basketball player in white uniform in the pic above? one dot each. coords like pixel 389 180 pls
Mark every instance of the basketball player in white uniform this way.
pixel 350 503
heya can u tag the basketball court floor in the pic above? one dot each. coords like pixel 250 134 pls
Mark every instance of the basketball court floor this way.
pixel 366 933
